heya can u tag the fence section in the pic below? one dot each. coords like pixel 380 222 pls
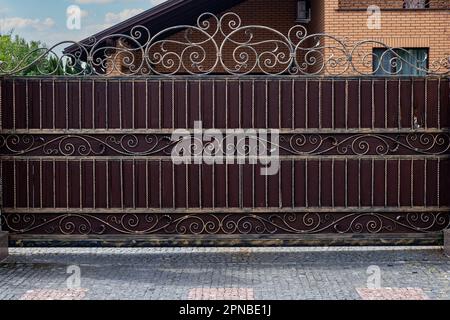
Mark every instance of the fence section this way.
pixel 92 156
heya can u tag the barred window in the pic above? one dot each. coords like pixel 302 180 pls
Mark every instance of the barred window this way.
pixel 416 4
pixel 303 11
pixel 405 61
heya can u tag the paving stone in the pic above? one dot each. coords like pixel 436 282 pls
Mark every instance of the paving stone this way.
pixel 42 294
pixel 221 294
pixel 225 273
pixel 392 294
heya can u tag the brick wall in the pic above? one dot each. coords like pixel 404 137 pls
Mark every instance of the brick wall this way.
pixel 399 28
pixel 364 4
pixel 316 26
pixel 388 4
pixel 124 60
pixel 279 15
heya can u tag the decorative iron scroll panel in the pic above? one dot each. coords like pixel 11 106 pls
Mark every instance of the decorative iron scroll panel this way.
pixel 92 156
pixel 222 45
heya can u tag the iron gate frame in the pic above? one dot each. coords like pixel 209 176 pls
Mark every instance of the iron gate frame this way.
pixel 435 143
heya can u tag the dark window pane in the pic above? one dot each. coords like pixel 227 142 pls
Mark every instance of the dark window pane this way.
pixel 407 62
pixel 382 61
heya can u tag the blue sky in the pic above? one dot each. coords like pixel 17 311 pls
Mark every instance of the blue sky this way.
pixel 45 20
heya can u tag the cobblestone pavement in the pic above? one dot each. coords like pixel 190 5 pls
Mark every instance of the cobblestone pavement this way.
pixel 226 273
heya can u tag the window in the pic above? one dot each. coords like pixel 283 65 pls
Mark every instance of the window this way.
pixel 416 4
pixel 303 11
pixel 405 62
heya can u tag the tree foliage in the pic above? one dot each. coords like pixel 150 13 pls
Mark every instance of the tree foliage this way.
pixel 16 54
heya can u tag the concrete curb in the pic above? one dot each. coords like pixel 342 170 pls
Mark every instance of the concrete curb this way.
pixel 327 240
pixel 447 242
pixel 3 245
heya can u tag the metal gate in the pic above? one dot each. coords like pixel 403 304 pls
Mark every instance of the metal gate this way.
pixel 89 158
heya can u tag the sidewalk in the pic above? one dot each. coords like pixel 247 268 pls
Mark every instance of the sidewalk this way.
pixel 225 273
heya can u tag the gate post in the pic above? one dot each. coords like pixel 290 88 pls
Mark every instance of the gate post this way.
pixel 3 234
pixel 447 234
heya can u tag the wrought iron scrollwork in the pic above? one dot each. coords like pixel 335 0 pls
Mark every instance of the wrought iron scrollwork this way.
pixel 85 145
pixel 220 224
pixel 366 144
pixel 222 45
pixel 289 144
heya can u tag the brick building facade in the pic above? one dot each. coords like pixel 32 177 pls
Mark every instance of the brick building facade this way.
pixel 402 28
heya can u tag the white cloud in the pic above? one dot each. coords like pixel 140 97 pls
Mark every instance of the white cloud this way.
pixel 157 2
pixel 113 18
pixel 152 2
pixel 62 36
pixel 93 1
pixel 13 23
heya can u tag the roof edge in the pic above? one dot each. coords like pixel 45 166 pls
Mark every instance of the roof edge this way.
pixel 133 21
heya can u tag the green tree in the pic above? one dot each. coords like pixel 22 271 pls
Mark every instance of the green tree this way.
pixel 24 58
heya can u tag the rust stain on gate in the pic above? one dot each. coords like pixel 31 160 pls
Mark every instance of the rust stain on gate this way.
pixel 92 157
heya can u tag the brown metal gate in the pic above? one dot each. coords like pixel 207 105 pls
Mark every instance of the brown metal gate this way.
pixel 90 159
